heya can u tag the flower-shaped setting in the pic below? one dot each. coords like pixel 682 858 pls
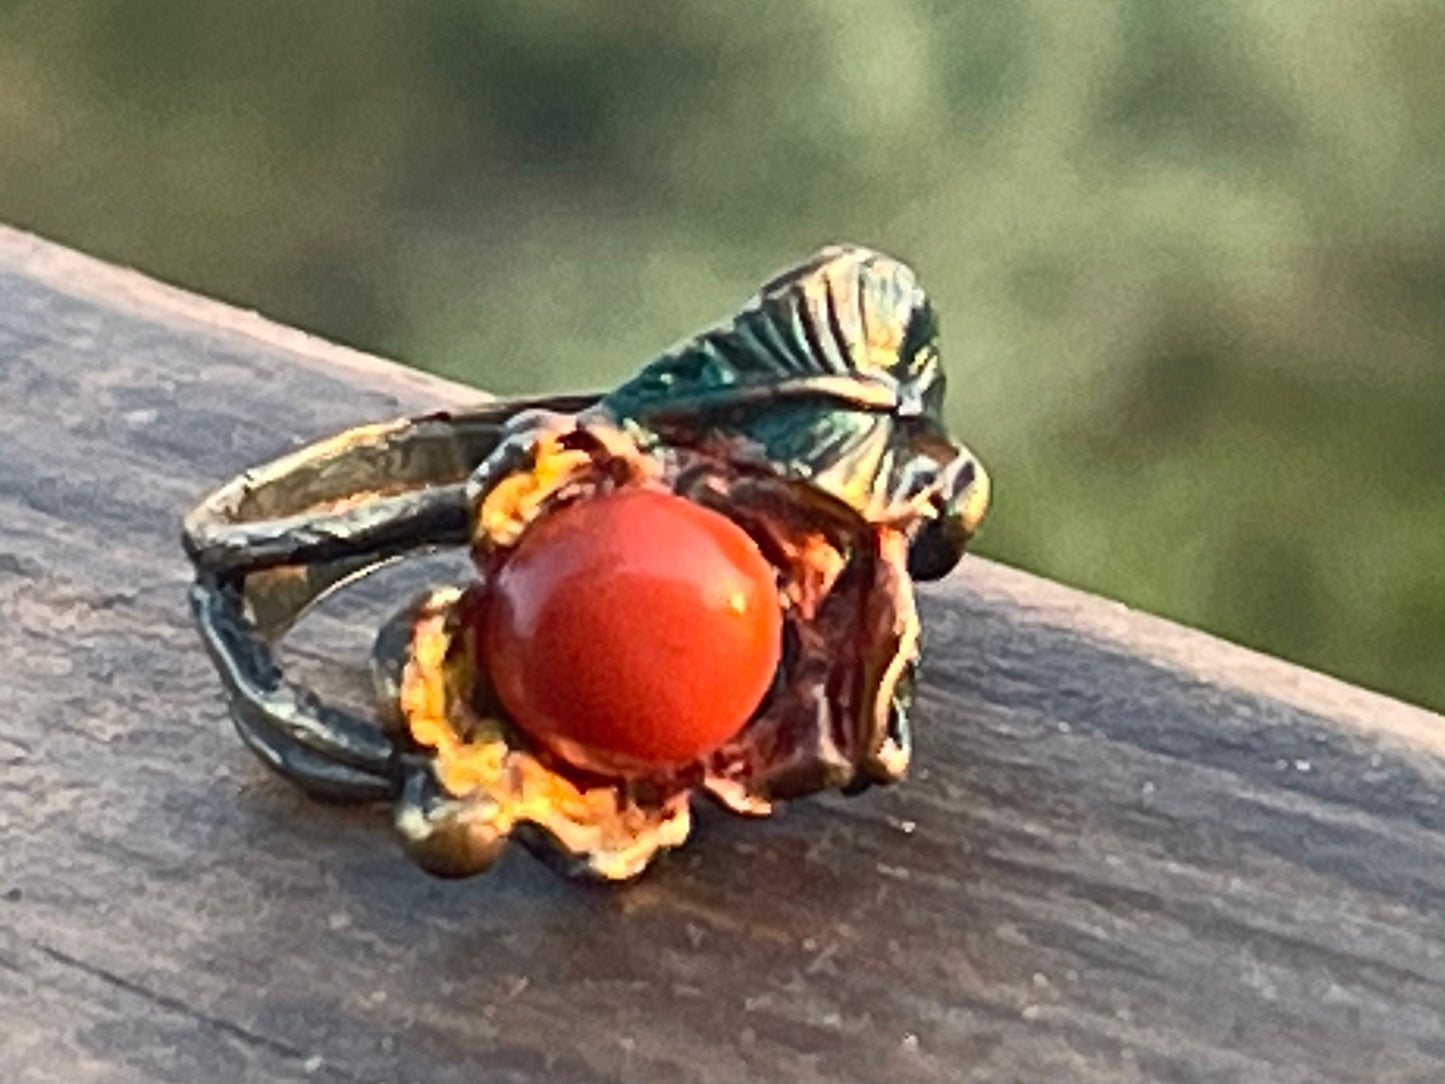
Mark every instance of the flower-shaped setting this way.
pixel 699 583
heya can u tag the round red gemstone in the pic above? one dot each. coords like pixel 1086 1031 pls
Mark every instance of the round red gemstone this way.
pixel 632 631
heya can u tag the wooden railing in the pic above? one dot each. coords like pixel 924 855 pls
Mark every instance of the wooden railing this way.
pixel 1128 851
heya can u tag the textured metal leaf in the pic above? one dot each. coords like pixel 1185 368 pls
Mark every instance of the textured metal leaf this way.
pixel 830 373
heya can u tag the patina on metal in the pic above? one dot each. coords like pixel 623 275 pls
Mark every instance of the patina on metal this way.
pixel 813 419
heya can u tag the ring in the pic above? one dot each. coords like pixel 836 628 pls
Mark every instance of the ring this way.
pixel 698 582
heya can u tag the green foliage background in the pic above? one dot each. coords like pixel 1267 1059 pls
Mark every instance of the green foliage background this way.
pixel 1190 254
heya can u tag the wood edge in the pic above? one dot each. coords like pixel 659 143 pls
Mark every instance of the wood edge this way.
pixel 126 290
pixel 1193 653
pixel 1137 634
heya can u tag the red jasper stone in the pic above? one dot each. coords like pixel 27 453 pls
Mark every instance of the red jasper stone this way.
pixel 632 631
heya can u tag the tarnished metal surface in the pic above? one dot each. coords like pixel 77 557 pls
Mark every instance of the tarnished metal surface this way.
pixel 813 419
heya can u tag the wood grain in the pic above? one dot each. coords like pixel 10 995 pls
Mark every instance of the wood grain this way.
pixel 1129 852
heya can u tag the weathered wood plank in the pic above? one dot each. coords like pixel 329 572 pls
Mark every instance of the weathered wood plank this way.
pixel 1130 852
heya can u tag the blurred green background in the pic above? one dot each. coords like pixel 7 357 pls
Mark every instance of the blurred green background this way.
pixel 1190 254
